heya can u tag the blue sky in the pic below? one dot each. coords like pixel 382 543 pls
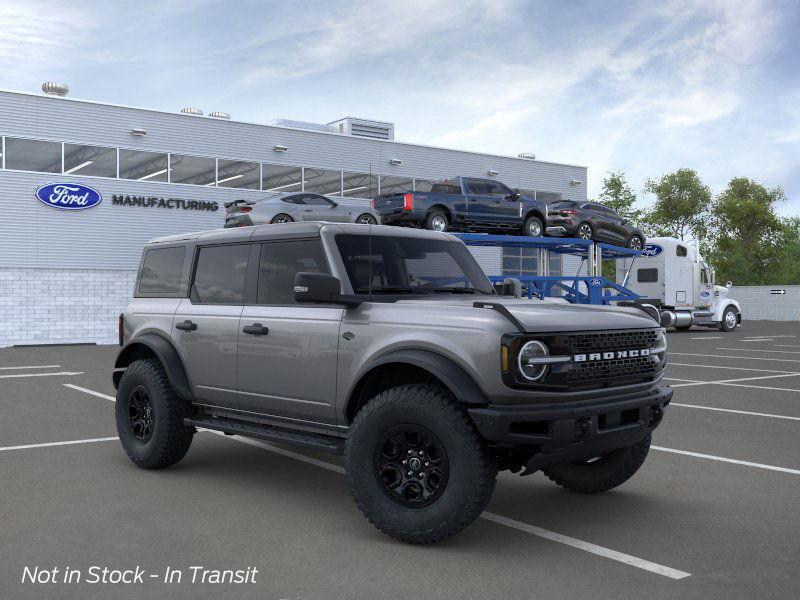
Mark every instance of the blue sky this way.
pixel 641 87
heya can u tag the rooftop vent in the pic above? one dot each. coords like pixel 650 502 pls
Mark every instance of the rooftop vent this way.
pixel 376 130
pixel 527 155
pixel 303 125
pixel 51 88
pixel 219 115
pixel 192 111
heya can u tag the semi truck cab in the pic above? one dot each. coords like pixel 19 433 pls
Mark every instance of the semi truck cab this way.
pixel 672 276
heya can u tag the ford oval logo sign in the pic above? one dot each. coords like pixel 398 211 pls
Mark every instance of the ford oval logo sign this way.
pixel 652 250
pixel 705 294
pixel 596 282
pixel 68 196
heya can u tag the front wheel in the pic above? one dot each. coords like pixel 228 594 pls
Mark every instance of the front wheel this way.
pixel 416 466
pixel 533 227
pixel 729 320
pixel 600 473
pixel 367 219
pixel 150 416
pixel 635 243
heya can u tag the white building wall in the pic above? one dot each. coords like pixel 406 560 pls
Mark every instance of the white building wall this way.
pixel 759 303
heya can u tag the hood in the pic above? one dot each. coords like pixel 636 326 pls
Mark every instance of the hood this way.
pixel 720 291
pixel 546 317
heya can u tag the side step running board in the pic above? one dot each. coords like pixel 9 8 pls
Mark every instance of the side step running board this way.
pixel 324 443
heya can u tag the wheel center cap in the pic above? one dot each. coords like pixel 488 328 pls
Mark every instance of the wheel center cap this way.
pixel 414 463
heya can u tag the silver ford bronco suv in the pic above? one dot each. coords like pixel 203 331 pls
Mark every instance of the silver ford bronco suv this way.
pixel 389 346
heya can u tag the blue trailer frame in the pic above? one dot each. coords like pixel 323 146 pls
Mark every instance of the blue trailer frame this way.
pixel 598 289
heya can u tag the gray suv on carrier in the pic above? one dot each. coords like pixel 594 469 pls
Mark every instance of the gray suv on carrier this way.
pixel 389 346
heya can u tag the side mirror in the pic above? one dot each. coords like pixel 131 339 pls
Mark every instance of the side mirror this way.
pixel 334 204
pixel 319 288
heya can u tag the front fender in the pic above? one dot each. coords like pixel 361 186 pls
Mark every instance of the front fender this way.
pixel 448 372
pixel 163 349
pixel 720 308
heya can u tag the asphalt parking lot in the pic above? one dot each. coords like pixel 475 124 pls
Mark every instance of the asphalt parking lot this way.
pixel 714 512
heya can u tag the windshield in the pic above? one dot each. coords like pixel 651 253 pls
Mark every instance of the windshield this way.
pixel 383 264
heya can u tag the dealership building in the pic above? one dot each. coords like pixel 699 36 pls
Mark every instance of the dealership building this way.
pixel 65 275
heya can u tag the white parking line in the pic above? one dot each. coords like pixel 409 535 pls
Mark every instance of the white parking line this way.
pixel 31 367
pixel 786 346
pixel 588 547
pixel 708 337
pixel 739 412
pixel 518 525
pixel 92 392
pixel 761 387
pixel 49 444
pixel 791 360
pixel 732 381
pixel 759 340
pixel 16 375
pixel 672 364
pixel 727 460
pixel 758 350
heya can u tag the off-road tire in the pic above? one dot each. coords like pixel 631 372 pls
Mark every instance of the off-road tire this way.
pixel 609 471
pixel 170 438
pixel 472 471
pixel 432 215
pixel 723 326
pixel 529 223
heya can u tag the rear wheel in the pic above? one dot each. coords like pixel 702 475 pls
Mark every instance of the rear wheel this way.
pixel 367 219
pixel 533 227
pixel 600 473
pixel 150 416
pixel 282 218
pixel 437 220
pixel 584 231
pixel 416 466
pixel 729 320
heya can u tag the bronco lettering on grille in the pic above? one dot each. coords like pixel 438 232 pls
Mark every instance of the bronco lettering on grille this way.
pixel 610 355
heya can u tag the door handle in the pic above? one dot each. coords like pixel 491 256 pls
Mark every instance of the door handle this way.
pixel 308 209
pixel 255 329
pixel 187 325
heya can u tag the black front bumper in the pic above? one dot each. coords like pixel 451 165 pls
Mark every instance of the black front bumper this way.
pixel 562 433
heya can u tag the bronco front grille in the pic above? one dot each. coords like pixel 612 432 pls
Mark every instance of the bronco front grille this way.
pixel 606 341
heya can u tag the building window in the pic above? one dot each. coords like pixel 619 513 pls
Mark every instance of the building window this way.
pixel 143 166
pixel 237 174
pixel 33 155
pixel 321 181
pixel 280 178
pixel 194 170
pixel 396 185
pixel 96 161
pixel 359 185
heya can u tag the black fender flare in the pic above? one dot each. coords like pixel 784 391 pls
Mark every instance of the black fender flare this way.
pixel 535 212
pixel 165 352
pixel 456 379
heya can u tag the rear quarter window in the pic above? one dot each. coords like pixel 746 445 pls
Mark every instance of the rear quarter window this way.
pixel 161 271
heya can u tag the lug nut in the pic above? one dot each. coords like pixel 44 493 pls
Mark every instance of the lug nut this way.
pixel 405 461
pixel 427 464
pixel 410 473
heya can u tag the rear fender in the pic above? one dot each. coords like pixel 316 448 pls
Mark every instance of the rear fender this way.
pixel 152 344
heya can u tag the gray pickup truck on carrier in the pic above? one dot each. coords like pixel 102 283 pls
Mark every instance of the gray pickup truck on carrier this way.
pixel 389 346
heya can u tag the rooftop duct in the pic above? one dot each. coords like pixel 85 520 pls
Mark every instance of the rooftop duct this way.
pixel 527 155
pixel 376 130
pixel 192 111
pixel 303 125
pixel 51 88
pixel 219 115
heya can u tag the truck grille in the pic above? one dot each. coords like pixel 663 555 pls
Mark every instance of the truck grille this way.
pixel 607 341
pixel 603 373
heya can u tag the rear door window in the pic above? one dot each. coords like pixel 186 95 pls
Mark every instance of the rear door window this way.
pixel 220 273
pixel 161 271
pixel 281 262
pixel 477 187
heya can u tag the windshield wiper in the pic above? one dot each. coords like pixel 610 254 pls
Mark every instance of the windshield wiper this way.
pixel 390 289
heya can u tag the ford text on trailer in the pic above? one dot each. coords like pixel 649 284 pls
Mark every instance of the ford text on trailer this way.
pixel 672 276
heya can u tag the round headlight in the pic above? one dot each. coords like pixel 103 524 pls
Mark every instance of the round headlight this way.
pixel 527 364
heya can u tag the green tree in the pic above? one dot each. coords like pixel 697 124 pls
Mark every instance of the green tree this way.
pixel 618 195
pixel 681 205
pixel 749 243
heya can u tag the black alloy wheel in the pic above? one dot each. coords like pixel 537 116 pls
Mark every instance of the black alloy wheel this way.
pixel 411 465
pixel 282 218
pixel 140 414
pixel 367 220
pixel 584 231
pixel 635 243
